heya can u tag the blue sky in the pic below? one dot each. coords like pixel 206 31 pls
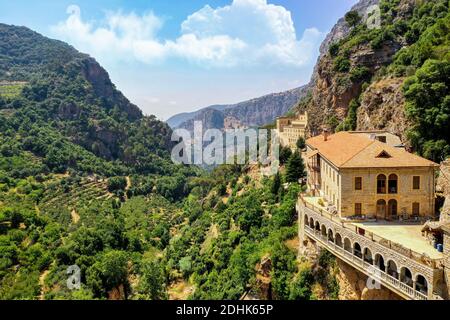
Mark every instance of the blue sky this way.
pixel 181 55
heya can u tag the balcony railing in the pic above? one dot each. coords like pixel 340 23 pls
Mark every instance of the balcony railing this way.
pixel 416 256
pixel 366 267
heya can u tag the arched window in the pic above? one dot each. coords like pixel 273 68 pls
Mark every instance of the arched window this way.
pixel 392 269
pixel 393 184
pixel 392 208
pixel 324 230
pixel 317 226
pixel 330 235
pixel 338 240
pixel 311 223
pixel 381 184
pixel 368 256
pixel 406 276
pixel 357 250
pixel 381 209
pixel 422 284
pixel 347 245
pixel 379 262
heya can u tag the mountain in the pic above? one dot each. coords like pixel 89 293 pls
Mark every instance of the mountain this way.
pixel 369 78
pixel 63 97
pixel 254 112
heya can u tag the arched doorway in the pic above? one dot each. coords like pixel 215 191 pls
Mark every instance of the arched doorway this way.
pixel 422 284
pixel 323 229
pixel 311 223
pixel 379 262
pixel 368 256
pixel 406 276
pixel 393 184
pixel 392 269
pixel 381 209
pixel 330 235
pixel 338 240
pixel 317 227
pixel 392 208
pixel 381 184
pixel 347 245
pixel 357 250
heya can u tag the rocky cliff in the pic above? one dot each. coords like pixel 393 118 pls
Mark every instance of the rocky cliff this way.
pixel 254 112
pixel 351 66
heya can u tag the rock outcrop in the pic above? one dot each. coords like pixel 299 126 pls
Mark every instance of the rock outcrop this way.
pixel 443 187
pixel 353 286
pixel 254 112
pixel 383 107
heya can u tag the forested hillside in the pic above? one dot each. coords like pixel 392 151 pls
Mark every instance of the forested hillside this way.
pixel 86 180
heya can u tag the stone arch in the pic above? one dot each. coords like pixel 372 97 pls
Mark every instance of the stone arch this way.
pixel 323 230
pixel 317 226
pixel 367 254
pixel 311 223
pixel 338 240
pixel 330 235
pixel 381 184
pixel 347 245
pixel 379 262
pixel 406 276
pixel 392 207
pixel 421 284
pixel 381 209
pixel 306 219
pixel 357 251
pixel 392 269
pixel 393 184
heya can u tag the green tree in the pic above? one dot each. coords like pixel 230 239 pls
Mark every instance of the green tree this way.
pixel 428 106
pixel 152 281
pixel 285 154
pixel 276 184
pixel 301 143
pixel 295 168
pixel 352 18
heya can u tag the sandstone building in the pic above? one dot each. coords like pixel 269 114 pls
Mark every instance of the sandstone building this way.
pixel 367 203
pixel 290 129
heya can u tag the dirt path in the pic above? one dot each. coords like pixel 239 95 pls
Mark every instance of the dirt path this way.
pixel 42 284
pixel 75 216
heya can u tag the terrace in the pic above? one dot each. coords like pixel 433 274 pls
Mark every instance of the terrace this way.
pixel 394 253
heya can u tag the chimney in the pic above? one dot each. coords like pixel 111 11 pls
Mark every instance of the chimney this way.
pixel 326 134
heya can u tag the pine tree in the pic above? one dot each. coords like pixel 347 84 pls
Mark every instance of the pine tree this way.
pixel 276 185
pixel 295 169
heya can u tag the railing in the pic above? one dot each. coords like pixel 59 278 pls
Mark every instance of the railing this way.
pixel 366 267
pixel 411 254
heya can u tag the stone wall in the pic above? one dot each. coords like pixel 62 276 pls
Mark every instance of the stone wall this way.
pixel 353 285
pixel 405 196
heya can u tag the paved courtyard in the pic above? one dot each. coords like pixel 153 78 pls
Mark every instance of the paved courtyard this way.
pixel 407 235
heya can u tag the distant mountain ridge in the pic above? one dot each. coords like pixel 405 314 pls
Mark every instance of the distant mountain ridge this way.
pixel 250 113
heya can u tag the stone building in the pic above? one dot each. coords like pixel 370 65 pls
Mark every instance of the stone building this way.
pixel 290 129
pixel 368 203
pixel 359 175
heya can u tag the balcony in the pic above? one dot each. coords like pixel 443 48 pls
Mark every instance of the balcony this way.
pixel 401 270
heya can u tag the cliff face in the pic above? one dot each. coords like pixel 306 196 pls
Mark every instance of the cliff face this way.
pixel 353 286
pixel 255 112
pixel 382 107
pixel 333 91
pixel 334 86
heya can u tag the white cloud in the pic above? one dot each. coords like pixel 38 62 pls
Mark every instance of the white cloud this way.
pixel 246 32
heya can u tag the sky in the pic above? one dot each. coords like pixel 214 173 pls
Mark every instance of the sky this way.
pixel 178 56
